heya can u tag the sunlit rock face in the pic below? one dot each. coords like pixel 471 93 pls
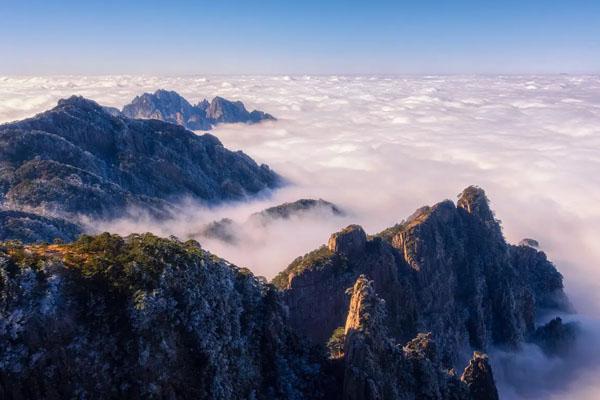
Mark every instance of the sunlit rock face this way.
pixel 479 378
pixel 446 270
pixel 169 106
pixel 143 317
pixel 149 317
pixel 378 368
pixel 350 240
pixel 77 159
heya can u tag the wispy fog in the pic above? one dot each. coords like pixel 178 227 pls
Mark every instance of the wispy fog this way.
pixel 381 147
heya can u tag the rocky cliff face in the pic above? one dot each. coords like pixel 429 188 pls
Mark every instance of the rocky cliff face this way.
pixel 378 368
pixel 446 270
pixel 479 378
pixel 399 312
pixel 143 317
pixel 170 107
pixel 79 159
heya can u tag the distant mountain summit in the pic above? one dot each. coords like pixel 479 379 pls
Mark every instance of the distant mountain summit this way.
pixel 297 208
pixel 169 106
pixel 80 159
pixel 230 231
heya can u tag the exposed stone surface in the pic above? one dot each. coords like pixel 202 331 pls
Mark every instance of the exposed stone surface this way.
pixel 351 240
pixel 475 202
pixel 377 368
pixel 78 159
pixel 169 106
pixel 479 378
pixel 144 317
pixel 31 228
pixel 545 283
pixel 446 270
pixel 221 110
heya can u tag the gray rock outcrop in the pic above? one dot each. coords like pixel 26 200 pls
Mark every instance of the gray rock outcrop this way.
pixel 169 106
pixel 446 270
pixel 378 368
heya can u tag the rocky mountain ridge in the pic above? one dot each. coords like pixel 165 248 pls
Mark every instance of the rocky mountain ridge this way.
pixel 378 368
pixel 391 316
pixel 169 106
pixel 446 270
pixel 230 231
pixel 78 159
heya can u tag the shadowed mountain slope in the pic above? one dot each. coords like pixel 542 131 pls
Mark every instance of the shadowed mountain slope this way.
pixel 78 159
pixel 446 270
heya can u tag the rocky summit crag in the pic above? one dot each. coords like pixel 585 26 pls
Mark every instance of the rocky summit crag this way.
pixel 78 159
pixel 169 106
pixel 392 316
pixel 446 271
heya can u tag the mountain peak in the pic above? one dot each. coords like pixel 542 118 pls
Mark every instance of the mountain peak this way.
pixel 165 92
pixel 349 240
pixel 170 106
pixel 474 201
pixel 479 378
pixel 366 308
pixel 80 160
pixel 79 102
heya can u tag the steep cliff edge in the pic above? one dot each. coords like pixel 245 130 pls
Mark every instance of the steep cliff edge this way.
pixel 446 270
pixel 378 368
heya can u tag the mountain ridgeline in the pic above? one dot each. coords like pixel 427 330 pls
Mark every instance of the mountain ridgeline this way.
pixel 78 159
pixel 388 317
pixel 232 232
pixel 169 106
pixel 446 273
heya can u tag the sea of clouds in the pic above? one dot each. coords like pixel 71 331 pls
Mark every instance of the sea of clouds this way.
pixel 380 147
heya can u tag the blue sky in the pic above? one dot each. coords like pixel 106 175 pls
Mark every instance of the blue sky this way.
pixel 299 37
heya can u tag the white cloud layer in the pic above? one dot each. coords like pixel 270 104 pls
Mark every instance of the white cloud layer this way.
pixel 381 147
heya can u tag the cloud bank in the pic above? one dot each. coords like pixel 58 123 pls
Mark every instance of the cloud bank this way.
pixel 380 147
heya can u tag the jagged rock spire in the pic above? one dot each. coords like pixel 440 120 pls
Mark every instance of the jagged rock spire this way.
pixel 479 378
pixel 377 368
pixel 366 308
pixel 474 201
